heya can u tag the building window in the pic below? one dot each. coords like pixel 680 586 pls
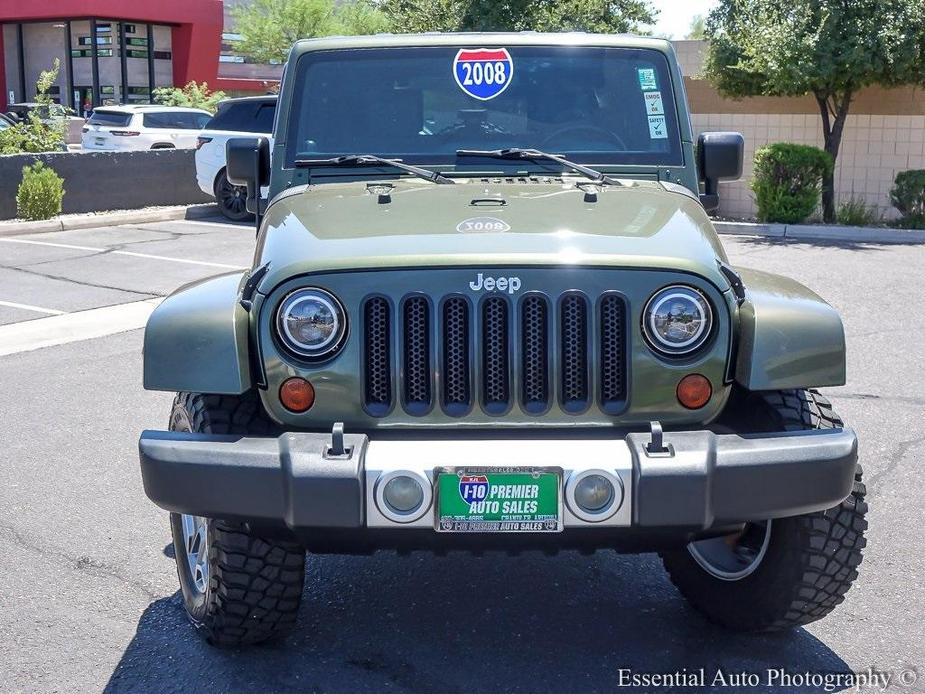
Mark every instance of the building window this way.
pixel 88 53
pixel 100 41
pixel 136 42
pixel 162 55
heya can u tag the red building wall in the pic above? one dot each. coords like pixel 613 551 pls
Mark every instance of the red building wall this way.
pixel 196 34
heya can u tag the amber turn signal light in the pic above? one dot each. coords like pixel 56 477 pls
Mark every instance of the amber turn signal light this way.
pixel 297 394
pixel 694 391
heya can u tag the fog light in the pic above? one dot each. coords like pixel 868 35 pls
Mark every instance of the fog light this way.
pixel 593 493
pixel 403 494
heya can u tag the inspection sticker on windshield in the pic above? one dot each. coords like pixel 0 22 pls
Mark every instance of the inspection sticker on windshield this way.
pixel 657 129
pixel 646 78
pixel 654 106
pixel 483 73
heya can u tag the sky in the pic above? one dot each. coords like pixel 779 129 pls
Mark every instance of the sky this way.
pixel 674 17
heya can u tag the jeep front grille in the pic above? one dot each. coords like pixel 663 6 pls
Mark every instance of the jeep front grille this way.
pixel 456 345
pixel 535 353
pixel 496 356
pixel 573 335
pixel 417 371
pixel 377 356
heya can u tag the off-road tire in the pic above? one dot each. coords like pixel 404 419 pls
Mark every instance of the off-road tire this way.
pixel 811 560
pixel 255 583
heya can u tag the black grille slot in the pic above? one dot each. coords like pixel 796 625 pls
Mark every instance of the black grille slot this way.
pixel 377 358
pixel 416 355
pixel 573 331
pixel 456 388
pixel 613 353
pixel 534 354
pixel 496 378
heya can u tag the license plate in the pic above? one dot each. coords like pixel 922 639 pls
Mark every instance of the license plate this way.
pixel 499 500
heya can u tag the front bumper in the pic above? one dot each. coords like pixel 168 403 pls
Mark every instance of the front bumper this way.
pixel 703 481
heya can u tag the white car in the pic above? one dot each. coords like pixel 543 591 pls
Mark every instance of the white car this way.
pixel 248 116
pixel 130 128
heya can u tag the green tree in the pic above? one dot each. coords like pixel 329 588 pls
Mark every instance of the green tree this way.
pixel 604 16
pixel 193 95
pixel 697 29
pixel 33 134
pixel 270 27
pixel 827 48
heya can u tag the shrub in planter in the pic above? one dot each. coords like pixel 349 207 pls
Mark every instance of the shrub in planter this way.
pixel 854 212
pixel 40 193
pixel 788 181
pixel 908 196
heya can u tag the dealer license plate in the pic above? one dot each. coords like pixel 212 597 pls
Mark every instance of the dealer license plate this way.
pixel 499 500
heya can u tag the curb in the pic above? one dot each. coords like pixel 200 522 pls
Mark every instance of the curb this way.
pixel 87 221
pixel 873 235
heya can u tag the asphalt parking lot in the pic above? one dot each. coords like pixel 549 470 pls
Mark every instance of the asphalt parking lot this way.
pixel 89 596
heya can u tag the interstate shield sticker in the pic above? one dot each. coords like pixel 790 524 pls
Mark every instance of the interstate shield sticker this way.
pixel 483 73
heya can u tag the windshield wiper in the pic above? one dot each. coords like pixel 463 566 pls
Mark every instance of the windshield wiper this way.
pixel 527 153
pixel 361 159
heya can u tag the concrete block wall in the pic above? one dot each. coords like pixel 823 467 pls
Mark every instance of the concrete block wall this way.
pixel 99 181
pixel 874 149
pixel 884 134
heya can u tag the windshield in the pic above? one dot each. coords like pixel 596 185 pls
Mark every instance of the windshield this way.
pixel 593 105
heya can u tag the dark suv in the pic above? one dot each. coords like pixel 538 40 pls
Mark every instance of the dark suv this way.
pixel 252 115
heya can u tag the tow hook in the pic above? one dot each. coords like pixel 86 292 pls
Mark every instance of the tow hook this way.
pixel 657 448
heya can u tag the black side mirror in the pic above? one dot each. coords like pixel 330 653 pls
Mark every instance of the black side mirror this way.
pixel 719 158
pixel 247 163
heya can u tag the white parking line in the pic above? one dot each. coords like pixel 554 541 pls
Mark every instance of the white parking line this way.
pixel 73 327
pixel 55 245
pixel 148 256
pixel 223 225
pixel 179 260
pixel 30 307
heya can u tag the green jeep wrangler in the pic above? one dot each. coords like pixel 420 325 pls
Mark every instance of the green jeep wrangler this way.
pixel 487 310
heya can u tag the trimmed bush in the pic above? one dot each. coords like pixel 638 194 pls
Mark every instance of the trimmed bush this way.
pixel 788 181
pixel 40 193
pixel 908 196
pixel 854 212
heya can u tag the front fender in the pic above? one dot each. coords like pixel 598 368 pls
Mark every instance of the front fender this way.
pixel 197 339
pixel 789 337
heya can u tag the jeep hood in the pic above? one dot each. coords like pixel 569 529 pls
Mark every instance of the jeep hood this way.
pixel 486 222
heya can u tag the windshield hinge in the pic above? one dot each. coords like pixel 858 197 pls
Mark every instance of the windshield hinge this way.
pixel 735 280
pixel 250 286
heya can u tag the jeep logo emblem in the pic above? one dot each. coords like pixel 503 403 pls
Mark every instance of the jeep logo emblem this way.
pixel 495 284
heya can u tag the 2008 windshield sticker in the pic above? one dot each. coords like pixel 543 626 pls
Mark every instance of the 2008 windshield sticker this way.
pixel 483 73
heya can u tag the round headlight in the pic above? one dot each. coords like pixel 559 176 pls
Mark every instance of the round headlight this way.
pixel 311 322
pixel 677 320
